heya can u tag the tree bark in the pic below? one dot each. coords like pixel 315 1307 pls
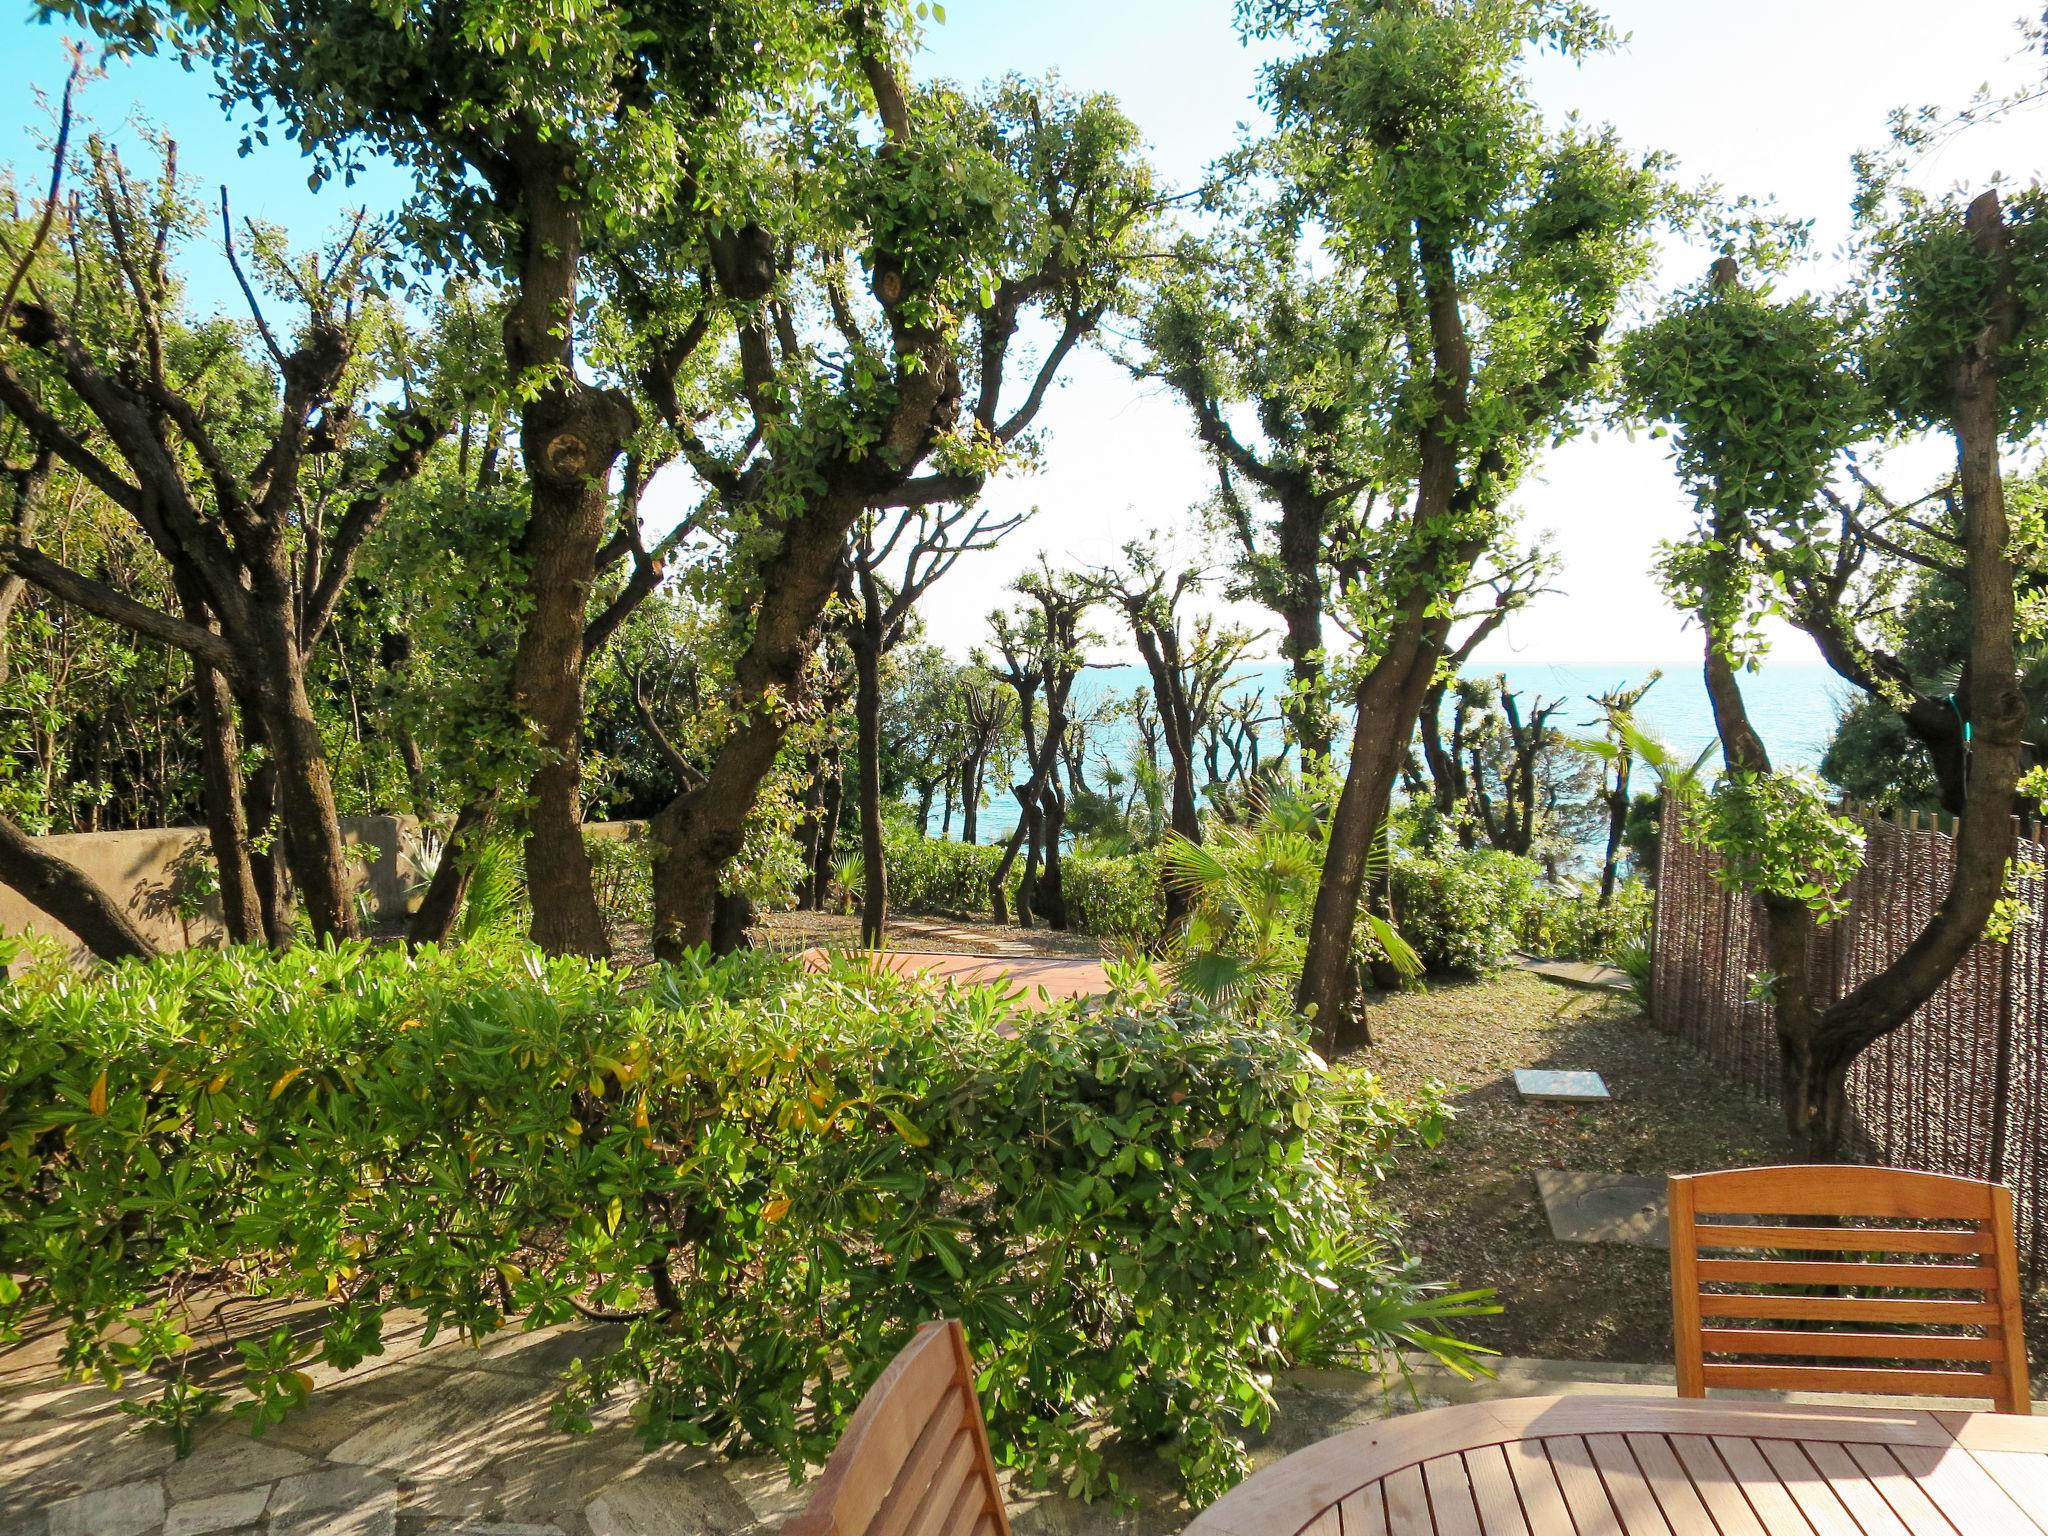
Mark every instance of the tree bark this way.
pixel 571 435
pixel 1887 1000
pixel 867 666
pixel 69 895
pixel 433 921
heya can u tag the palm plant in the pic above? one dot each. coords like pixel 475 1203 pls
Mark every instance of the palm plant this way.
pixel 1251 889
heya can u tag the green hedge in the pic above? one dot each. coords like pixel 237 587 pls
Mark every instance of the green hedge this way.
pixel 1139 1211
pixel 935 874
pixel 1119 898
pixel 1570 924
pixel 1462 910
pixel 1115 898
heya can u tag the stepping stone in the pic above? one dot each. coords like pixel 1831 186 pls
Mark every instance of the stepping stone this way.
pixel 1604 1208
pixel 1561 1087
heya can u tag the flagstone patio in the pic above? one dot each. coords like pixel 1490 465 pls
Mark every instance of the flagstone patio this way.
pixel 451 1440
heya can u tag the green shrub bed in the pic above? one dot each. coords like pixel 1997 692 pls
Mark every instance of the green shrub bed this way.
pixel 1140 1210
pixel 1112 898
pixel 1462 909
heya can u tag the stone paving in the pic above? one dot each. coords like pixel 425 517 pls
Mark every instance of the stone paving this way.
pixel 455 1441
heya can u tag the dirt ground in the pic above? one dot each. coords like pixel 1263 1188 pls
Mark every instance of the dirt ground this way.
pixel 1471 1204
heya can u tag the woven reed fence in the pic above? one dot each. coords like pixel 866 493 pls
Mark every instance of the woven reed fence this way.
pixel 1963 1088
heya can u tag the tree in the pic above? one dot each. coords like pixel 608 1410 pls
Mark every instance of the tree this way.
pixel 1041 650
pixel 1189 672
pixel 1763 396
pixel 531 132
pixel 968 215
pixel 222 499
pixel 929 541
pixel 991 723
pixel 1497 250
pixel 1617 750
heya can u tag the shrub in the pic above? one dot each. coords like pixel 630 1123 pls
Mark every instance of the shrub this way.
pixel 1139 1210
pixel 1117 898
pixel 1568 923
pixel 1462 909
pixel 934 874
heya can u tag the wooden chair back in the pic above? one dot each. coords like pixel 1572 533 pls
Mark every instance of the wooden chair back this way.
pixel 1921 1266
pixel 914 1460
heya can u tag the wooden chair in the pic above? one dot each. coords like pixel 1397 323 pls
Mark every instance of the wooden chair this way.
pixel 1955 1253
pixel 915 1460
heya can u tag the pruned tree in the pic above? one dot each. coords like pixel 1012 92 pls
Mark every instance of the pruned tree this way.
pixel 1763 396
pixel 1492 252
pixel 1189 671
pixel 242 522
pixel 1041 653
pixel 894 562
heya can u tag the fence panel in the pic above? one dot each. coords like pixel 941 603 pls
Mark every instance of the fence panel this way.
pixel 1963 1087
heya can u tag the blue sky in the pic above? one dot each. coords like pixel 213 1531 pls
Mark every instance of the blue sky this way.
pixel 1768 97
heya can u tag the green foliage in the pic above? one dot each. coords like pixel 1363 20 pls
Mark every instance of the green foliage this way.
pixel 1253 890
pixel 935 874
pixel 1117 898
pixel 1568 922
pixel 1760 396
pixel 1778 836
pixel 1139 1209
pixel 1462 909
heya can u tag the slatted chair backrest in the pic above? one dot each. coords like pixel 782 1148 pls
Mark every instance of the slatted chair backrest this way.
pixel 914 1460
pixel 1920 1265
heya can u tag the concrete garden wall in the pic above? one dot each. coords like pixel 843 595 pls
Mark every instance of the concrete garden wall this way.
pixel 152 872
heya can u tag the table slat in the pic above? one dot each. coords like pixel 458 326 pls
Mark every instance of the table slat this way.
pixel 1365 1512
pixel 1771 1500
pixel 2022 1474
pixel 1493 1491
pixel 1964 1491
pixel 1905 1496
pixel 1592 1513
pixel 1873 1516
pixel 1823 1509
pixel 1717 1486
pixel 1450 1497
pixel 1536 1482
pixel 1408 1504
pixel 1675 1494
pixel 1627 1487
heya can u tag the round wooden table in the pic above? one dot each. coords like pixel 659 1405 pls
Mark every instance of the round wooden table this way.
pixel 1644 1466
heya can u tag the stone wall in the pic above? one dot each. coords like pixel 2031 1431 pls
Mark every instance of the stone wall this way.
pixel 153 873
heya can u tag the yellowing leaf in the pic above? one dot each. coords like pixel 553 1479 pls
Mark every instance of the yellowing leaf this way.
pixel 285 1082
pixel 640 1116
pixel 217 1084
pixel 775 1209
pixel 905 1127
pixel 97 1100
pixel 303 1382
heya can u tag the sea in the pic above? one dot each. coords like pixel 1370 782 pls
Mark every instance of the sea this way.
pixel 1794 707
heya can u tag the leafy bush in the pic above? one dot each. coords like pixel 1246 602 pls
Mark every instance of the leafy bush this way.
pixel 1462 909
pixel 935 874
pixel 1570 924
pixel 1117 898
pixel 1139 1210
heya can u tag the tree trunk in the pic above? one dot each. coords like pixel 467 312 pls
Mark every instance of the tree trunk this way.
pixel 1388 700
pixel 570 436
pixel 433 921
pixel 69 895
pixel 1300 607
pixel 1997 711
pixel 828 831
pixel 701 830
pixel 1049 893
pixel 221 791
pixel 867 667
pixel 1617 826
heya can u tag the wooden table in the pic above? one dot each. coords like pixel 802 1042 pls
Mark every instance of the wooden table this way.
pixel 1636 1466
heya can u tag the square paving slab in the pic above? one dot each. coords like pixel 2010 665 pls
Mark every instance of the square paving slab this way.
pixel 1604 1208
pixel 1561 1087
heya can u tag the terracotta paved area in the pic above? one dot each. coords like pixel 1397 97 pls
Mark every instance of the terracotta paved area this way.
pixel 1039 975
